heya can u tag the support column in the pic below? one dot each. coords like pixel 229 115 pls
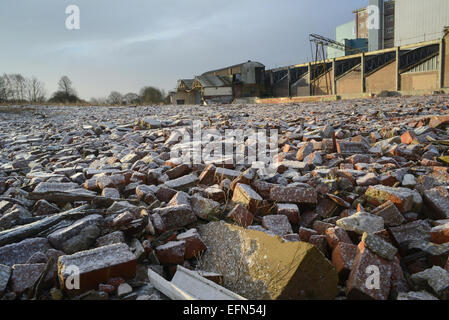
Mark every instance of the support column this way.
pixel 362 71
pixel 334 77
pixel 289 77
pixel 441 68
pixel 398 63
pixel 310 78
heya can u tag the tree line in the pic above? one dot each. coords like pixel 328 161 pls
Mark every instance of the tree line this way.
pixel 15 88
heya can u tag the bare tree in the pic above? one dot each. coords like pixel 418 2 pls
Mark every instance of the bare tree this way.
pixel 14 87
pixel 66 93
pixel 17 87
pixel 131 97
pixel 65 85
pixel 3 89
pixel 98 101
pixel 35 90
pixel 115 98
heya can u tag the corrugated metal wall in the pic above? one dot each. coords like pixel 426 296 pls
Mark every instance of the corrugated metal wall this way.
pixel 429 65
pixel 420 20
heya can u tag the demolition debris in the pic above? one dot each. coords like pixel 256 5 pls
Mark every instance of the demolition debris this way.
pixel 348 200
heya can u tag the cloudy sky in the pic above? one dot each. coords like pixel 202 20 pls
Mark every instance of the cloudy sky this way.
pixel 124 45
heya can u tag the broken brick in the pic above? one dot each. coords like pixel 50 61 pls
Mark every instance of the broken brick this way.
pixel 172 252
pixel 241 216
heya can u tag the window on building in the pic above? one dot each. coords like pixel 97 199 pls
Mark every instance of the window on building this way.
pixel 390 30
pixel 390 19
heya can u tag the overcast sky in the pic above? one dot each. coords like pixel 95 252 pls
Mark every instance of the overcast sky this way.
pixel 124 45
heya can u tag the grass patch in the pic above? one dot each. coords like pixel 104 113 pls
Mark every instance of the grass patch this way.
pixel 15 110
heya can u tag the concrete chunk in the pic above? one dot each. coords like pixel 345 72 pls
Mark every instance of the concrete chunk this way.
pixel 362 222
pixel 5 274
pixel 19 253
pixel 272 268
pixel 79 236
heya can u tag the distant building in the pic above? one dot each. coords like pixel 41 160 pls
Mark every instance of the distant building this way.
pixel 420 21
pixel 184 93
pixel 214 88
pixel 383 37
pixel 248 78
pixel 222 85
pixel 347 35
pixel 361 19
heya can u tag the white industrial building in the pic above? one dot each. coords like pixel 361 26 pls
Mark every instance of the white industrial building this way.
pixel 420 20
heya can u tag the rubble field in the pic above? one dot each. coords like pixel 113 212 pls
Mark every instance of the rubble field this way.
pixel 355 206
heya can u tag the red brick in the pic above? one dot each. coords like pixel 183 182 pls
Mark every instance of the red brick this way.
pixel 408 137
pixel 263 188
pixel 440 234
pixel 145 193
pixel 194 245
pixel 289 210
pixel 320 242
pixel 358 278
pixel 98 266
pixel 398 281
pixel 437 121
pixel 207 177
pixel 305 234
pixel 351 148
pixel 241 216
pixel 304 151
pixel 336 235
pixel 245 195
pixel 321 227
pixel 176 216
pixel 172 252
pixel 178 171
pixel 137 176
pixel 343 258
pixel 165 194
pixel 326 207
pixel 293 195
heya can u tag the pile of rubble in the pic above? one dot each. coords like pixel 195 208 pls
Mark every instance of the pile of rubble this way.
pixel 357 206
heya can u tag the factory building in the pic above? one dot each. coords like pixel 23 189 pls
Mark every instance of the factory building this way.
pixel 408 53
pixel 376 23
pixel 222 85
pixel 420 21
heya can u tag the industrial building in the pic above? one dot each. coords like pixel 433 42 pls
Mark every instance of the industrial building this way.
pixel 420 21
pixel 347 35
pixel 222 85
pixel 409 53
pixel 412 68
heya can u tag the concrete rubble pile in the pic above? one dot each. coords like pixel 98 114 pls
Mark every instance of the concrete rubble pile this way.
pixel 355 206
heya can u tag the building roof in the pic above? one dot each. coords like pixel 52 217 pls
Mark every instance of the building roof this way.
pixel 359 10
pixel 213 81
pixel 187 82
pixel 248 63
